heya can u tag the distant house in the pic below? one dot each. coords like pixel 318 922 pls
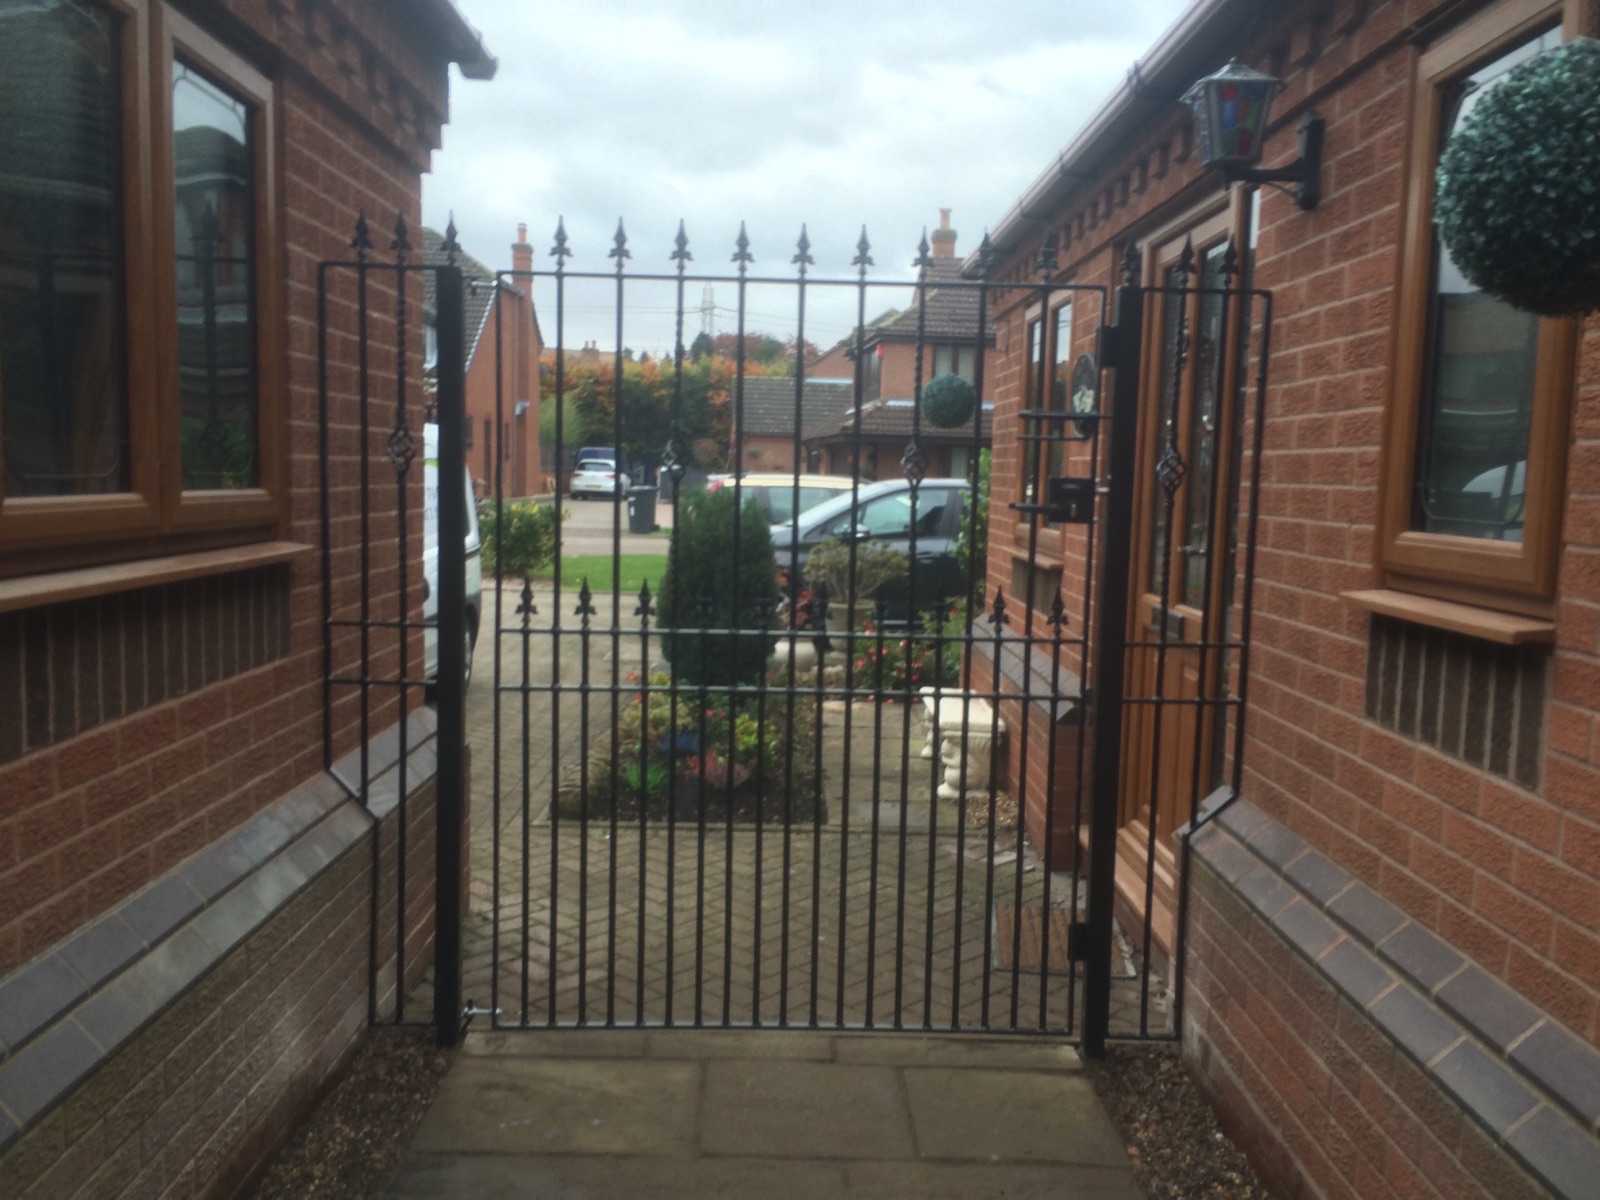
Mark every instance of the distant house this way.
pixel 502 430
pixel 943 322
pixel 766 431
pixel 872 446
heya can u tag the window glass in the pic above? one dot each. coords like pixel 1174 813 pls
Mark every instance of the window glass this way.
pixel 1160 541
pixel 63 389
pixel 1478 385
pixel 214 224
pixel 1060 380
pixel 885 517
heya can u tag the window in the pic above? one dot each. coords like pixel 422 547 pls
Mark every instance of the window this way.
pixel 955 359
pixel 1048 380
pixel 138 322
pixel 1476 444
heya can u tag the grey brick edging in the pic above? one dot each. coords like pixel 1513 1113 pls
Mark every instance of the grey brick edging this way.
pixel 1530 1083
pixel 69 1010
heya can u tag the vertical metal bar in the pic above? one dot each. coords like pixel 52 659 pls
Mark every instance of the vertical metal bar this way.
pixel 1121 350
pixel 913 465
pixel 621 254
pixel 401 455
pixel 743 258
pixel 560 252
pixel 861 261
pixel 450 839
pixel 675 467
pixel 643 612
pixel 325 515
pixel 977 579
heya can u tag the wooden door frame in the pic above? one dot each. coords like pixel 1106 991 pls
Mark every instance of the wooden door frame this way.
pixel 1224 218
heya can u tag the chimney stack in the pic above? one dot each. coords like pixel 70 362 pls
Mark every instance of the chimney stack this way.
pixel 521 251
pixel 944 238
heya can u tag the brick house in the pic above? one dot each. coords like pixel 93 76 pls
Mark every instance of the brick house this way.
pixel 186 882
pixel 1393 951
pixel 765 429
pixel 880 435
pixel 944 322
pixel 502 330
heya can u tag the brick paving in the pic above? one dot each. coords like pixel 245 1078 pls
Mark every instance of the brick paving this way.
pixel 884 916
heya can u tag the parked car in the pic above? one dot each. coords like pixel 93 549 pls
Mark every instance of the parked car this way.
pixel 775 492
pixel 588 453
pixel 598 477
pixel 887 511
pixel 430 560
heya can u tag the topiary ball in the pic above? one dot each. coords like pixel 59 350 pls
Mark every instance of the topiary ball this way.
pixel 1518 202
pixel 948 401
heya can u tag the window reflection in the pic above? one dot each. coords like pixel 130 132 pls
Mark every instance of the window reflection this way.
pixel 215 222
pixel 63 391
pixel 1477 403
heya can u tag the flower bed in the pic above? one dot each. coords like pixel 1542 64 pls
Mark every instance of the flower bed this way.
pixel 689 753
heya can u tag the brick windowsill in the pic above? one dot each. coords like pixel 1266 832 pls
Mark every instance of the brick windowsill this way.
pixel 58 587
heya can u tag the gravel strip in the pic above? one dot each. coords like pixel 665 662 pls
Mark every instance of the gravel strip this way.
pixel 1179 1152
pixel 360 1131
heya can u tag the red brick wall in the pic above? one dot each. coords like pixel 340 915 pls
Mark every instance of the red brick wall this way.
pixel 1321 1100
pixel 87 821
pixel 199 1100
pixel 1508 875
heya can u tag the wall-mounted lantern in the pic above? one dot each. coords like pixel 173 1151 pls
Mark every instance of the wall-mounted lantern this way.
pixel 1230 111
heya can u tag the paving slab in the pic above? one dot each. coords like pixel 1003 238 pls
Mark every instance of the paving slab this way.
pixel 1016 1115
pixel 775 1114
pixel 513 1178
pixel 784 1109
pixel 1005 1181
pixel 971 1050
pixel 563 1106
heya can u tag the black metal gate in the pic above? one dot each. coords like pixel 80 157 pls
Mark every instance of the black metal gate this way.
pixel 800 761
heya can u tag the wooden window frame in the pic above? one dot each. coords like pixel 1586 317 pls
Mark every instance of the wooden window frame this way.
pixel 156 517
pixel 1503 575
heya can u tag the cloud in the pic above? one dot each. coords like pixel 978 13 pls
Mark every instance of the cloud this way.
pixel 833 113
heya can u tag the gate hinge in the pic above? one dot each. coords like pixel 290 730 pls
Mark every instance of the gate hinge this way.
pixel 1078 942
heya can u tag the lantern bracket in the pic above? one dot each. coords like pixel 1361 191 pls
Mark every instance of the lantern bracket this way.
pixel 1305 172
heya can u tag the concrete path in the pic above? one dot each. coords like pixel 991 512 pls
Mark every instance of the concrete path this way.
pixel 590 1115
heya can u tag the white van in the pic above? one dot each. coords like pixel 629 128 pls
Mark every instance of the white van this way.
pixel 430 559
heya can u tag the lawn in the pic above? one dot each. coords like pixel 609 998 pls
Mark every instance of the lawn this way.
pixel 636 569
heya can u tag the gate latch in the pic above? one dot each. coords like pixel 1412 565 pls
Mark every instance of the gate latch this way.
pixel 1069 500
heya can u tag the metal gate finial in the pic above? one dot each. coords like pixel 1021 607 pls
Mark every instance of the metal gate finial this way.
pixel 560 250
pixel 680 253
pixel 863 258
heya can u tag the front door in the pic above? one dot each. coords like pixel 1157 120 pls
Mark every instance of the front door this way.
pixel 1182 567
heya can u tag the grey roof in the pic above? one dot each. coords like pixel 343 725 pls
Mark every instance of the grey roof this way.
pixel 769 403
pixel 951 312
pixel 479 291
pixel 894 419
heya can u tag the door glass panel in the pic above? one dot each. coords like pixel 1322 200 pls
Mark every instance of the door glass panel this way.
pixel 1166 429
pixel 63 390
pixel 1477 403
pixel 215 223
pixel 1195 550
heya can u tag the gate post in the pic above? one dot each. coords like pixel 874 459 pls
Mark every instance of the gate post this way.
pixel 450 801
pixel 1120 345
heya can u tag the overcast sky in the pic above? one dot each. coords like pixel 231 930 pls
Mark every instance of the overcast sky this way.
pixel 836 113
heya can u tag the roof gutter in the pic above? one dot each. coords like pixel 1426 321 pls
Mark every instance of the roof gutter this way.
pixel 462 44
pixel 1185 52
